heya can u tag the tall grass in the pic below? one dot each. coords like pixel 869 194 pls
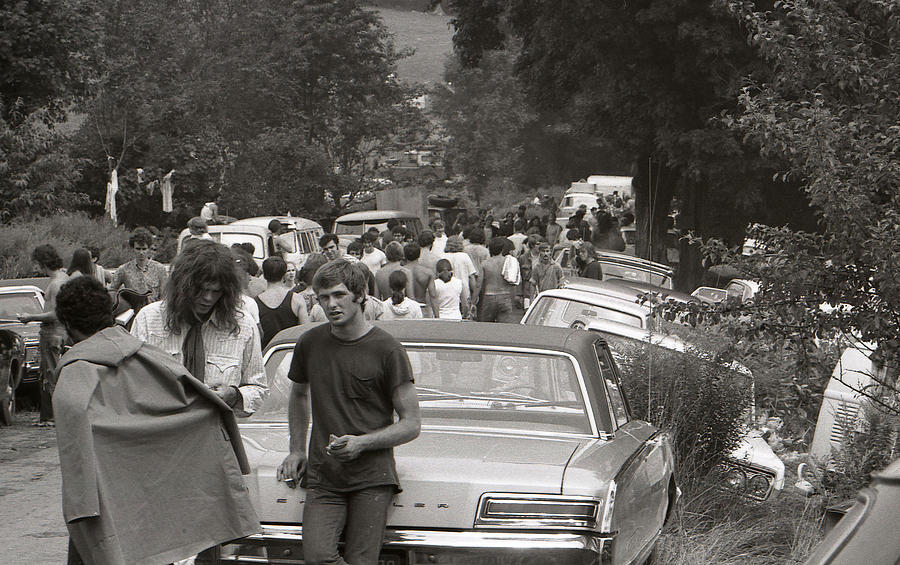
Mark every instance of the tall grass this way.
pixel 714 527
pixel 65 232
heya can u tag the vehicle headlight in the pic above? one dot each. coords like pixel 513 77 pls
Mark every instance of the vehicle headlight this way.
pixel 758 486
pixel 506 510
pixel 736 479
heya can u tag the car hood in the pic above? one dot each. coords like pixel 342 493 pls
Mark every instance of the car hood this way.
pixel 443 474
pixel 27 331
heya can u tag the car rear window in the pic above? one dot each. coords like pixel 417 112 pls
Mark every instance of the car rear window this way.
pixel 562 313
pixel 473 388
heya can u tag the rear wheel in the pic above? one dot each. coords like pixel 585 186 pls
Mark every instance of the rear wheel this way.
pixel 8 407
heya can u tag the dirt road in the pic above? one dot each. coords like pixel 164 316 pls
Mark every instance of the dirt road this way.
pixel 32 530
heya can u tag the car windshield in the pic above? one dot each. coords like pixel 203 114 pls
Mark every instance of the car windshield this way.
pixel 19 302
pixel 562 313
pixel 473 388
pixel 613 271
pixel 228 239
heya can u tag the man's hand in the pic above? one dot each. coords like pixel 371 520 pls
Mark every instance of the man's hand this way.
pixel 228 394
pixel 24 318
pixel 345 448
pixel 292 469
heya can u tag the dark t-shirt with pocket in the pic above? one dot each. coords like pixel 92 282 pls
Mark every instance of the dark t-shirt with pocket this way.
pixel 351 385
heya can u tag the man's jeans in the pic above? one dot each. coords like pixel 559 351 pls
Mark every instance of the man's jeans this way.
pixel 361 515
pixel 494 307
pixel 51 346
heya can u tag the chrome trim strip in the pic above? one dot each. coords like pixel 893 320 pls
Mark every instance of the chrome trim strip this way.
pixel 467 539
pixel 591 412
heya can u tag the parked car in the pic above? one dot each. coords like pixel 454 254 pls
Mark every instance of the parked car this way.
pixel 351 226
pixel 741 290
pixel 710 294
pixel 528 454
pixel 618 266
pixel 12 368
pixel 27 299
pixel 868 531
pixel 302 237
pixel 570 308
pixel 632 291
pixel 752 469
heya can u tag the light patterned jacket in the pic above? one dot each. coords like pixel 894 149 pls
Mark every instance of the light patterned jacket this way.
pixel 232 359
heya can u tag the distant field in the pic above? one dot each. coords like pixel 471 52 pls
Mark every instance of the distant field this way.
pixel 429 34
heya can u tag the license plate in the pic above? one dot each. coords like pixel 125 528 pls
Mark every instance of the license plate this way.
pixel 392 558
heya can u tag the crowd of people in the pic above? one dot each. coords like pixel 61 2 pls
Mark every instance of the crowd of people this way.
pixel 206 321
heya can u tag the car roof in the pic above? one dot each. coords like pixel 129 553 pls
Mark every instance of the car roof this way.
pixel 375 215
pixel 295 221
pixel 670 342
pixel 625 289
pixel 231 228
pixel 470 333
pixel 596 299
pixel 631 260
pixel 20 288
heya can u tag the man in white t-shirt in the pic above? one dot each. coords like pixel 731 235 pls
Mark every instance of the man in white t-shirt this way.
pixel 440 238
pixel 463 267
pixel 372 257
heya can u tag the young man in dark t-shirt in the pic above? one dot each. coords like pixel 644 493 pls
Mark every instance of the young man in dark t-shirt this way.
pixel 356 376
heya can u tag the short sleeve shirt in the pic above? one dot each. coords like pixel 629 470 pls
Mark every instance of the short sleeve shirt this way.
pixel 152 278
pixel 351 386
pixel 546 277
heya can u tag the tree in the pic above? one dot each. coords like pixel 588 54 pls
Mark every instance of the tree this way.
pixel 48 52
pixel 831 111
pixel 202 87
pixel 648 77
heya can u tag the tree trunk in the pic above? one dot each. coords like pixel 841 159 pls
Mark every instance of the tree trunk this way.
pixel 654 186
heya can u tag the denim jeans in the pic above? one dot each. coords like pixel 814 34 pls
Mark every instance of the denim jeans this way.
pixel 51 346
pixel 493 307
pixel 361 515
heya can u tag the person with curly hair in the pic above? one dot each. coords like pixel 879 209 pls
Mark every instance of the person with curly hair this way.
pixel 142 274
pixel 52 334
pixel 135 427
pixel 201 323
pixel 356 376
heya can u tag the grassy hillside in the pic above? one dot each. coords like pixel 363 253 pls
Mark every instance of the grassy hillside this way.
pixel 428 34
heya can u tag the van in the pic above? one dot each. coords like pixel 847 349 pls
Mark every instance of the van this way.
pixel 351 226
pixel 842 401
pixel 302 237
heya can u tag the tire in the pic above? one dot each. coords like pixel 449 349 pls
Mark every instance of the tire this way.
pixel 8 407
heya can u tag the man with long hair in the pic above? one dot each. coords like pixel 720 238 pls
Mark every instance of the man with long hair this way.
pixel 356 376
pixel 202 324
pixel 135 430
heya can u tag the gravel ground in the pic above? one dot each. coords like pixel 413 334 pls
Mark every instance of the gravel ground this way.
pixel 32 530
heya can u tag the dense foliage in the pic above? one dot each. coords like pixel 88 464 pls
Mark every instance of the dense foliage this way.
pixel 649 78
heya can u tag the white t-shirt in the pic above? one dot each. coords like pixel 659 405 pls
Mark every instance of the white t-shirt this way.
pixel 439 244
pixel 374 260
pixel 462 266
pixel 447 298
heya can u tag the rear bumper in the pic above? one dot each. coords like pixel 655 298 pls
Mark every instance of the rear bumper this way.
pixel 284 545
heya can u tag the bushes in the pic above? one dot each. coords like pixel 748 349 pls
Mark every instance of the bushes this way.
pixel 65 232
pixel 703 402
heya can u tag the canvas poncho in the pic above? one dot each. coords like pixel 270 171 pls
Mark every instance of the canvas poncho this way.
pixel 151 458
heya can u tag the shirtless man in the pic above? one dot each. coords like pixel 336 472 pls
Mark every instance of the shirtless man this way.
pixel 52 335
pixel 394 254
pixel 496 298
pixel 422 275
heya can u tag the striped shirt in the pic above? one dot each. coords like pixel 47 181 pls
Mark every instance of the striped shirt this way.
pixel 232 359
